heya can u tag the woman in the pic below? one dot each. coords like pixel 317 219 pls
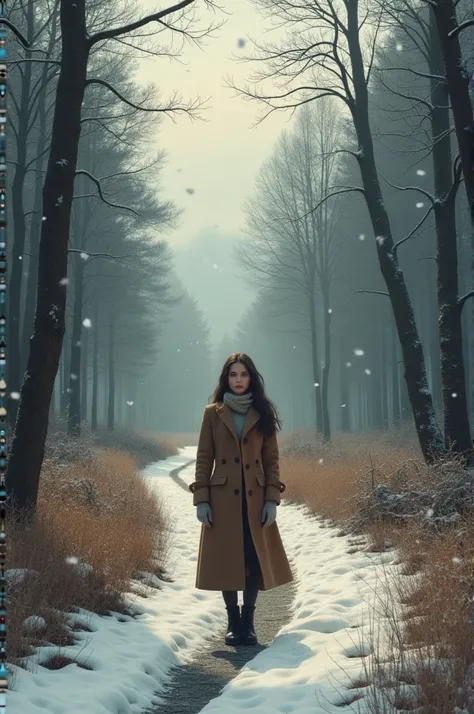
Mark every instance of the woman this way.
pixel 237 491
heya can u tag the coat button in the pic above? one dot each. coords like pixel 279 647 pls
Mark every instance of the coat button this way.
pixel 237 460
pixel 236 491
pixel 250 492
pixel 247 466
pixel 223 461
pixel 256 461
pixel 245 440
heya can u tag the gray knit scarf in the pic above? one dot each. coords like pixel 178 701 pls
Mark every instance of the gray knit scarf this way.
pixel 240 403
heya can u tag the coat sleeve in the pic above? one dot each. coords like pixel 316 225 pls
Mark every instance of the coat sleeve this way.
pixel 271 468
pixel 204 461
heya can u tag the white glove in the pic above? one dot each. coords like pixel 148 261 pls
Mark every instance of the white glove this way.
pixel 204 514
pixel 269 513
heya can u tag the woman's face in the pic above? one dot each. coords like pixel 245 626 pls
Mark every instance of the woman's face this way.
pixel 239 378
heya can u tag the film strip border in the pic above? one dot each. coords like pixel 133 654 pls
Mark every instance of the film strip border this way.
pixel 3 385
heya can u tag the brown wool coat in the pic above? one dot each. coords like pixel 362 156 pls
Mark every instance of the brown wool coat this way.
pixel 219 462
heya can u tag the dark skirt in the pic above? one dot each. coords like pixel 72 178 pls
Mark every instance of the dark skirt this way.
pixel 252 564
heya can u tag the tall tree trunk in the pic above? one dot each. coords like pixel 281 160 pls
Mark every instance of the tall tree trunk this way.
pixel 95 365
pixel 395 376
pixel 327 359
pixel 64 379
pixel 36 219
pixel 429 433
pixel 27 449
pixel 315 364
pixel 111 375
pixel 74 407
pixel 19 227
pixel 84 375
pixel 345 404
pixel 453 378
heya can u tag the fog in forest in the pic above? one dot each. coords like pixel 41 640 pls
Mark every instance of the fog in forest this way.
pixel 219 232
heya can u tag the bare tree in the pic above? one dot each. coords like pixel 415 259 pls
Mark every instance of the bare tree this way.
pixel 428 97
pixel 298 256
pixel 27 450
pixel 324 55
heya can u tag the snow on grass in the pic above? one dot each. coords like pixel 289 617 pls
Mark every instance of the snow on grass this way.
pixel 131 657
pixel 308 668
pixel 315 659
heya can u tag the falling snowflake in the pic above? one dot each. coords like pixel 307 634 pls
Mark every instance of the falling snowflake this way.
pixel 44 218
pixel 78 343
pixel 456 560
pixel 72 560
pixel 343 405
pixel 179 350
pixel 454 395
pixel 420 172
pixel 316 384
pixel 367 371
pixel 399 47
pixel 215 266
pixel 420 204
pixel 64 281
pixel 358 352
pixel 73 376
pixel 294 347
pixel 20 257
pixel 362 236
pixel 348 364
pixel 87 323
pixel 190 191
pixel 330 311
pixel 15 396
pixel 130 404
pixel 321 461
pixel 84 256
pixel 241 42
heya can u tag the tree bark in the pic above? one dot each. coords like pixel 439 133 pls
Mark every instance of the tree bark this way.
pixel 19 228
pixel 95 365
pixel 315 364
pixel 428 431
pixel 111 374
pixel 27 449
pixel 74 406
pixel 453 378
pixel 327 359
pixel 84 374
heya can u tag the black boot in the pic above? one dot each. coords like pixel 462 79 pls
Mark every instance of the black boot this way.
pixel 233 626
pixel 247 631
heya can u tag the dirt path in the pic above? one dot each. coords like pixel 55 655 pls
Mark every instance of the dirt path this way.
pixel 192 686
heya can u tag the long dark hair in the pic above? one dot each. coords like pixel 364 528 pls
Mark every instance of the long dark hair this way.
pixel 269 422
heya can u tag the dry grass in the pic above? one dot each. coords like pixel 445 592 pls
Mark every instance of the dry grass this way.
pixel 99 511
pixel 428 645
pixel 327 477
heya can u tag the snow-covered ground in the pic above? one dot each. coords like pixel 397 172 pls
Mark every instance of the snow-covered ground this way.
pixel 304 671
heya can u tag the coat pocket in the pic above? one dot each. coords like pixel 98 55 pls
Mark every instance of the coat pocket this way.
pixel 261 479
pixel 218 480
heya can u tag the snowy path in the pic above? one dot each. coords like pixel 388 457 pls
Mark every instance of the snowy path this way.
pixel 303 671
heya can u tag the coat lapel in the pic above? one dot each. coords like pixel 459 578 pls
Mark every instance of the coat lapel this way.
pixel 225 413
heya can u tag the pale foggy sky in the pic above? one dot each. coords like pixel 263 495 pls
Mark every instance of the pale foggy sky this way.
pixel 218 158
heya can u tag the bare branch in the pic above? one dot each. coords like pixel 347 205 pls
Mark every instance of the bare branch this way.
pixel 349 189
pixel 16 32
pixel 463 26
pixel 99 255
pixel 99 188
pixel 412 188
pixel 166 110
pixel 462 300
pixel 420 223
pixel 155 17
pixel 373 292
